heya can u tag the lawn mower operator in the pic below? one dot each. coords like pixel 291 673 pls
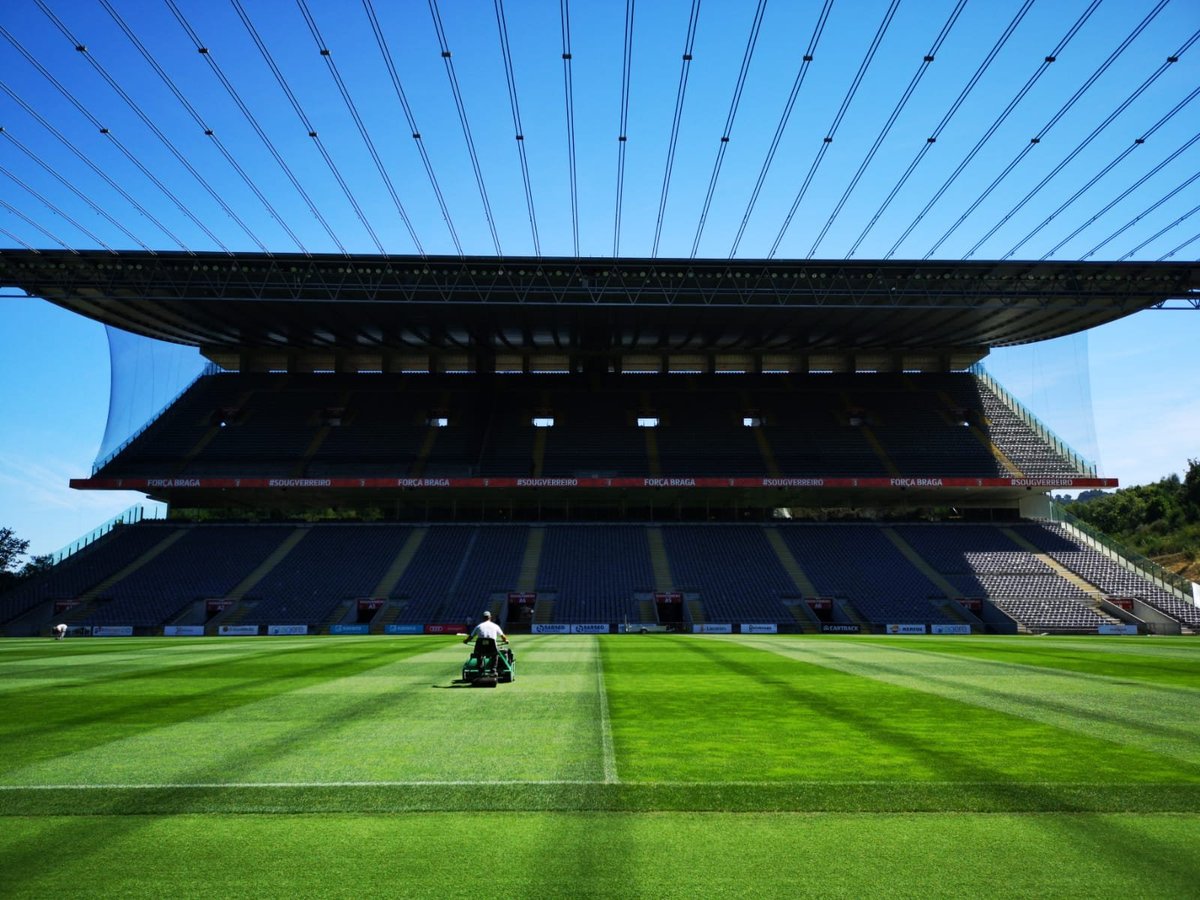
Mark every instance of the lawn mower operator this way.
pixel 487 629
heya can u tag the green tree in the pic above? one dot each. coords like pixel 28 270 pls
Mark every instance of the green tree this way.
pixel 12 548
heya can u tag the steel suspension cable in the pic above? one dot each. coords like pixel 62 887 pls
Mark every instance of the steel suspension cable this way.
pixel 1045 129
pixel 1169 254
pixel 17 240
pixel 1149 209
pixel 1119 158
pixel 1187 215
pixel 199 120
pixel 502 25
pixel 996 123
pixel 622 133
pixel 412 123
pixel 54 173
pixel 837 121
pixel 33 224
pixel 1137 92
pixel 734 103
pixel 180 157
pixel 688 43
pixel 308 126
pixel 217 71
pixel 798 83
pixel 1120 197
pixel 466 126
pixel 54 208
pixel 932 139
pixel 569 94
pixel 104 131
pixel 352 108
pixel 887 127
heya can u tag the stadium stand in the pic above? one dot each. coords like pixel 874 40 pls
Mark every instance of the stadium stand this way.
pixel 326 425
pixel 607 440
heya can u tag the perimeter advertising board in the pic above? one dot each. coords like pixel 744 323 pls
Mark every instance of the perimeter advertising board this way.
pixel 350 629
pixel 950 629
pixel 712 628
pixel 839 628
pixel 758 628
pixel 1116 629
pixel 112 631
pixel 444 628
pixel 287 629
pixel 590 629
pixel 904 628
pixel 183 631
pixel 237 630
pixel 551 629
pixel 403 629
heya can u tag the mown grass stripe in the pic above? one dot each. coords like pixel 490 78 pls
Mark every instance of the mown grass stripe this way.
pixel 1102 707
pixel 606 738
pixel 886 797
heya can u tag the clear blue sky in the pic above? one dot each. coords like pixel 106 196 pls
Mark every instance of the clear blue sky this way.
pixel 1141 369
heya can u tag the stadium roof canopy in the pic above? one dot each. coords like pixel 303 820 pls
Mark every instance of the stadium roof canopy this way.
pixel 244 302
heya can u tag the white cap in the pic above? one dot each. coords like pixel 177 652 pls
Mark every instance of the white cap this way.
pixel 487 613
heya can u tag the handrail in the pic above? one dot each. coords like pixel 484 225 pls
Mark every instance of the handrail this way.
pixel 1040 428
pixel 1147 568
pixel 209 369
pixel 130 516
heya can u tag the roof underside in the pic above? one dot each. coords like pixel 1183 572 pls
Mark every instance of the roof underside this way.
pixel 253 302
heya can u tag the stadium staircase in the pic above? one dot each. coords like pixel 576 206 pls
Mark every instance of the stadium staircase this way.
pixel 851 613
pixel 98 590
pixel 539 453
pixel 543 611
pixel 527 578
pixel 265 567
pixel 949 406
pixel 647 611
pixel 1093 592
pixel 663 581
pixel 948 590
pixel 803 616
pixel 387 616
pixel 400 564
pixel 695 610
pixel 878 450
pixel 426 449
pixel 653 462
pixel 954 610
pixel 337 615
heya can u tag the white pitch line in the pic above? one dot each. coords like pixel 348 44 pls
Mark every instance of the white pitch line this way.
pixel 606 739
pixel 245 785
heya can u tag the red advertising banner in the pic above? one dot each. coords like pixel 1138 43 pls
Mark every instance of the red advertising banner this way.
pixel 216 606
pixel 445 629
pixel 151 484
pixel 371 603
pixel 820 603
pixel 668 597
pixel 522 598
pixel 63 605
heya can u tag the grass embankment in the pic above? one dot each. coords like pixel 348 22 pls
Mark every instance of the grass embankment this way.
pixel 618 766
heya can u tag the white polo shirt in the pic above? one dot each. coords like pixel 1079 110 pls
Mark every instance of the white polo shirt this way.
pixel 487 629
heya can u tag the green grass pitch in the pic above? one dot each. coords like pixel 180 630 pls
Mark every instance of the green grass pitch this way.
pixel 615 766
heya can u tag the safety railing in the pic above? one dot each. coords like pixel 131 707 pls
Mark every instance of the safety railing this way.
pixel 1037 425
pixel 1146 568
pixel 209 369
pixel 130 516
